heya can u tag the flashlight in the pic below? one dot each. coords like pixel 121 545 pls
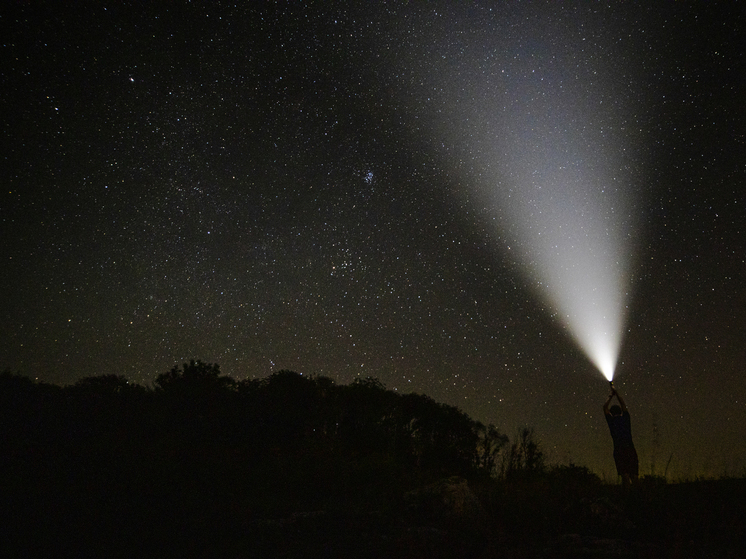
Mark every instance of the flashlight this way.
pixel 611 383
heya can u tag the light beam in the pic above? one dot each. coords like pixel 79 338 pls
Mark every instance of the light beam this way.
pixel 575 251
pixel 564 203
pixel 539 112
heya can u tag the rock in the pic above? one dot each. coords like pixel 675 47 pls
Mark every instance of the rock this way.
pixel 445 500
pixel 576 546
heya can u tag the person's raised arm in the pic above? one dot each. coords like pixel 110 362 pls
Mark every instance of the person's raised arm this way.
pixel 621 402
pixel 606 404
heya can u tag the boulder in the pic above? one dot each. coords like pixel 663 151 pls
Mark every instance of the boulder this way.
pixel 445 500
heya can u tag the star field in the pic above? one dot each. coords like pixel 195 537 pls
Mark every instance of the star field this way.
pixel 312 187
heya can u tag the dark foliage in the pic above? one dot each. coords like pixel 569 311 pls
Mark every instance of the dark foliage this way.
pixel 106 460
pixel 292 466
pixel 524 459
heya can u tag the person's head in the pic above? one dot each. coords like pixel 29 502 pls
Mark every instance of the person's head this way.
pixel 615 410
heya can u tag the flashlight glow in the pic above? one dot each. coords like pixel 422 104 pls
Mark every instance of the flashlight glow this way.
pixel 576 259
pixel 566 199
pixel 543 135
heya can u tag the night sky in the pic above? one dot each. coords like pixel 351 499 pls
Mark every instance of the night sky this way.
pixel 311 186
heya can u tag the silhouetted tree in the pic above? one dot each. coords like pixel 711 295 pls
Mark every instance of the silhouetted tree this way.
pixel 524 459
pixel 194 376
pixel 105 384
pixel 440 436
pixel 290 406
pixel 366 419
pixel 197 403
pixel 491 443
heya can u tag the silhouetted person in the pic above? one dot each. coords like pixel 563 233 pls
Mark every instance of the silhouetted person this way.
pixel 625 455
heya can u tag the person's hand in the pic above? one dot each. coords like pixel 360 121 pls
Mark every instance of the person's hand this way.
pixel 613 391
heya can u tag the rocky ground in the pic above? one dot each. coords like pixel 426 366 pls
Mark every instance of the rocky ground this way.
pixel 448 519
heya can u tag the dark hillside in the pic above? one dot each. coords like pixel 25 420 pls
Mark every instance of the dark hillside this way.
pixel 202 465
